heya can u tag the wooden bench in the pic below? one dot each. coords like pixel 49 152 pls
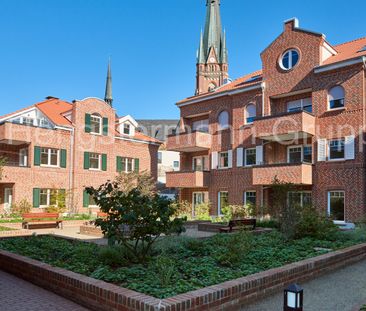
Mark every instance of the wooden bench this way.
pixel 238 224
pixel 41 218
pixel 102 215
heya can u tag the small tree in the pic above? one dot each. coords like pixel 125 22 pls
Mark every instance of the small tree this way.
pixel 135 219
pixel 287 214
pixel 20 208
pixel 238 211
pixel 2 164
pixel 143 182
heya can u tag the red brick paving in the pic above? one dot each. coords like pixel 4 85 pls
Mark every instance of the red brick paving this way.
pixel 19 295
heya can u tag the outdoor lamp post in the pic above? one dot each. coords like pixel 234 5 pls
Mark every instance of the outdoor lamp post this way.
pixel 293 298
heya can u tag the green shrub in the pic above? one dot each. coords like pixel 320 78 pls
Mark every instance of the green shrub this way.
pixel 183 209
pixel 268 223
pixel 21 207
pixel 314 225
pixel 196 246
pixel 238 212
pixel 164 268
pixel 202 211
pixel 113 256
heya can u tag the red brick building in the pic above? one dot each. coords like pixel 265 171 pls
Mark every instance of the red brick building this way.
pixel 301 118
pixel 55 146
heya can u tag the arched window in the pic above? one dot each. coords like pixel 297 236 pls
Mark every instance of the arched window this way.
pixel 223 120
pixel 250 113
pixel 336 97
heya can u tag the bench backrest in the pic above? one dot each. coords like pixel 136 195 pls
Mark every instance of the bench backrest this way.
pixel 242 222
pixel 102 215
pixel 40 215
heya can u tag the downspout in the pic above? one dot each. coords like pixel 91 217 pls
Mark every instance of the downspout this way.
pixel 263 86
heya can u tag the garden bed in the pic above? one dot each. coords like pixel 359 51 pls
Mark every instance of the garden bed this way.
pixel 180 264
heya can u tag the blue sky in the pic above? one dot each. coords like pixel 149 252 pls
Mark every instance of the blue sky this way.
pixel 61 48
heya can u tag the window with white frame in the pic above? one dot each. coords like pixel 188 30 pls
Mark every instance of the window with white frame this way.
pixel 336 205
pixel 198 198
pixel 127 165
pixel 51 197
pixel 23 157
pixel 223 159
pixel 223 201
pixel 200 163
pixel 336 98
pixel 176 164
pixel 299 154
pixel 250 198
pixel 95 124
pixel 250 157
pixel 50 157
pixel 28 121
pixel 95 161
pixel 223 120
pixel 289 59
pixel 304 104
pixel 250 113
pixel 336 149
pixel 126 128
pixel 200 126
pixel 160 157
pixel 299 198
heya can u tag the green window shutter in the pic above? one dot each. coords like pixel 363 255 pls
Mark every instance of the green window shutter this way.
pixel 137 165
pixel 105 126
pixel 119 164
pixel 85 199
pixel 87 123
pixel 63 156
pixel 36 194
pixel 104 162
pixel 86 160
pixel 37 156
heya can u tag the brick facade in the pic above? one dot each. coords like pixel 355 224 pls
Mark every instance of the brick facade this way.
pixel 75 141
pixel 275 129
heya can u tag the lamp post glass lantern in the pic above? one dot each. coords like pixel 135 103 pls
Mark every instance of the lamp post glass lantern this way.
pixel 293 298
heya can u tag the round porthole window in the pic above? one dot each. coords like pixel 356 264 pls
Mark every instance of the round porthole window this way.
pixel 289 59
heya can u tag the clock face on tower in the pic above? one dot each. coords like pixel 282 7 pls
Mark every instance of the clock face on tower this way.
pixel 212 59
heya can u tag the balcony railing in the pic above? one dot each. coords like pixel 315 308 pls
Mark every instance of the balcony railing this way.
pixel 295 173
pixel 287 126
pixel 188 179
pixel 189 142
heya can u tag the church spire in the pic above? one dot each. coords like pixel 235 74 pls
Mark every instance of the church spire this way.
pixel 108 88
pixel 212 55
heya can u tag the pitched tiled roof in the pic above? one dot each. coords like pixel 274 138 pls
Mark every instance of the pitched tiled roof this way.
pixel 54 109
pixel 243 82
pixel 158 129
pixel 348 50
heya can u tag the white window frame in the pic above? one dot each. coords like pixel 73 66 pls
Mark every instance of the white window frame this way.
pixel 204 196
pixel 302 152
pixel 125 159
pixel 23 157
pixel 245 196
pixel 99 162
pixel 291 65
pixel 205 159
pixel 344 206
pixel 125 126
pixel 246 114
pixel 328 150
pixel 49 150
pixel 245 157
pixel 201 126
pixel 228 160
pixel 224 126
pixel 302 196
pixel 219 213
pixel 48 197
pixel 100 124
pixel 344 99
pixel 301 101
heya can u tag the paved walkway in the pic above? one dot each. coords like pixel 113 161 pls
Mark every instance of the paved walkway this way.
pixel 19 295
pixel 340 290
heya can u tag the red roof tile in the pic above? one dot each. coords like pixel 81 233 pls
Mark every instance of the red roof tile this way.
pixel 54 109
pixel 348 50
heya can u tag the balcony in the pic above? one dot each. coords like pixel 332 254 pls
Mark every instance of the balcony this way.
pixel 189 142
pixel 288 126
pixel 189 179
pixel 297 173
pixel 14 134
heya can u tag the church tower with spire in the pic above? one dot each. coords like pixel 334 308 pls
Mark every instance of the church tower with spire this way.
pixel 212 55
pixel 108 88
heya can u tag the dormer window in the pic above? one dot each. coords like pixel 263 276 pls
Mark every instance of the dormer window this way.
pixel 126 129
pixel 289 59
pixel 95 124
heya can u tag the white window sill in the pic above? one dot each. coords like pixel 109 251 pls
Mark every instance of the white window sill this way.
pixel 336 160
pixel 339 222
pixel 336 109
pixel 96 134
pixel 95 169
pixel 93 206
pixel 223 168
pixel 50 166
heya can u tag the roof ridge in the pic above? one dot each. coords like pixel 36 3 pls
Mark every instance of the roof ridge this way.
pixel 348 42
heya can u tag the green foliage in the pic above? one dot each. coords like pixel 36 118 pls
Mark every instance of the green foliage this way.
pixel 202 211
pixel 135 220
pixel 315 225
pixel 268 223
pixel 3 161
pixel 6 229
pixel 183 209
pixel 142 181
pixel 21 207
pixel 363 308
pixel 180 264
pixel 238 212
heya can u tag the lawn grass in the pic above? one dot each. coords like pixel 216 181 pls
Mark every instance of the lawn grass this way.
pixel 180 264
pixel 6 229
